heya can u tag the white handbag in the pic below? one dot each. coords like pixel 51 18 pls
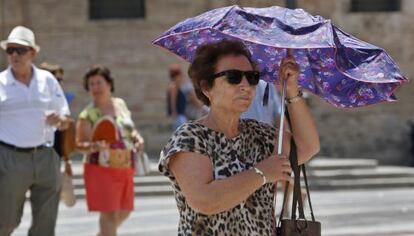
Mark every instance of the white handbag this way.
pixel 67 194
pixel 142 164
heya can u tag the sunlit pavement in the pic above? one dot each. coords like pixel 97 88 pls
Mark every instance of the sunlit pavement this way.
pixel 342 213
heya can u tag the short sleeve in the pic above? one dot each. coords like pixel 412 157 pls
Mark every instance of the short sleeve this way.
pixel 90 113
pixel 188 138
pixel 123 111
pixel 121 105
pixel 84 114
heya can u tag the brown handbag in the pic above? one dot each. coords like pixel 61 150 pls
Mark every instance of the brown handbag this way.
pixel 297 226
pixel 68 140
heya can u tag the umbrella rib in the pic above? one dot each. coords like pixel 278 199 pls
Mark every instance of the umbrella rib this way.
pixel 362 80
pixel 230 9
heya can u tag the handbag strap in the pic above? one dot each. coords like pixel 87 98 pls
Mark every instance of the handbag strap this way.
pixel 284 201
pixel 297 201
pixel 297 198
pixel 294 164
pixel 307 191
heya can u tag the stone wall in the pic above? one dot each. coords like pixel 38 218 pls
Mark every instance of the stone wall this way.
pixel 69 38
pixel 380 131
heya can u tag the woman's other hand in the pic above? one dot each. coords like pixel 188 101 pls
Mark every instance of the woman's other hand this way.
pixel 289 71
pixel 276 168
pixel 52 119
pixel 98 146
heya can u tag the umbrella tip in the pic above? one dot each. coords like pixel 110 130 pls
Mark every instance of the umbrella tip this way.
pixel 236 4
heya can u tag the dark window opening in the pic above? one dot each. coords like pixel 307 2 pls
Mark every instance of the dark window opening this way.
pixel 116 9
pixel 375 5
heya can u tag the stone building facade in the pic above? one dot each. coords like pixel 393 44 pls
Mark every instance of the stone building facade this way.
pixel 69 37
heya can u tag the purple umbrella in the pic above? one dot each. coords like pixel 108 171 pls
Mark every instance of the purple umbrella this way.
pixel 336 66
pixel 343 70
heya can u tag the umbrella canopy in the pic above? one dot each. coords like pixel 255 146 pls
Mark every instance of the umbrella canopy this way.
pixel 343 70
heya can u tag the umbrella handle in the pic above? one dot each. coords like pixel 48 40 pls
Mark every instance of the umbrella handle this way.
pixel 282 116
pixel 289 53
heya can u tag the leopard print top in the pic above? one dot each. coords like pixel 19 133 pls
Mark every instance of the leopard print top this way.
pixel 228 156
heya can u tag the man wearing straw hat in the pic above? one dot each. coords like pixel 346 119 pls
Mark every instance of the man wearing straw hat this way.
pixel 32 107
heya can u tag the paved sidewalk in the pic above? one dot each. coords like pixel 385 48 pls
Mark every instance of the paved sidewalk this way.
pixel 387 212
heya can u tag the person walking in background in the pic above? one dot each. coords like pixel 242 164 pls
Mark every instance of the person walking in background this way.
pixel 265 109
pixel 109 187
pixel 182 102
pixel 176 98
pixel 59 73
pixel 32 106
pixel 195 108
pixel 223 169
pixel 64 143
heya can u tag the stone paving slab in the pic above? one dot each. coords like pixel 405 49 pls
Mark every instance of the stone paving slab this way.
pixel 327 163
pixel 379 171
pixel 382 212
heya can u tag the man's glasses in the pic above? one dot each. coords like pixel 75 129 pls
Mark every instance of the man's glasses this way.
pixel 235 76
pixel 19 50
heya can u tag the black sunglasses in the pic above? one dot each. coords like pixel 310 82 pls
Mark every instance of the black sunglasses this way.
pixel 236 76
pixel 19 50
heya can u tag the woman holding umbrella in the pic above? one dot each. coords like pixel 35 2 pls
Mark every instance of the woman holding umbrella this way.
pixel 223 168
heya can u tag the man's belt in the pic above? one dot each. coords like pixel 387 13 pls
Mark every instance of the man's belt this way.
pixel 22 149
